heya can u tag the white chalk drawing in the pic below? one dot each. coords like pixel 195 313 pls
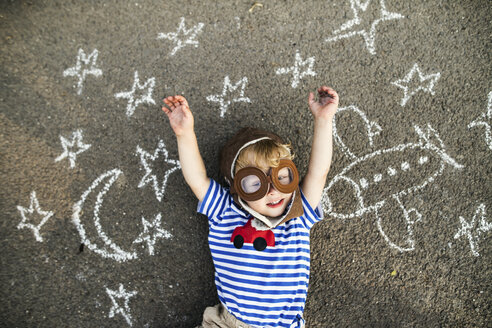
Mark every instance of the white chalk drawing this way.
pixel 108 249
pixel 373 129
pixel 152 231
pixel 425 83
pixel 351 28
pixel 228 89
pixel 100 243
pixel 86 65
pixel 409 222
pixel 485 120
pixel 121 295
pixel 299 70
pixel 429 145
pixel 32 214
pixel 146 159
pixel 73 147
pixel 137 88
pixel 182 36
pixel 473 230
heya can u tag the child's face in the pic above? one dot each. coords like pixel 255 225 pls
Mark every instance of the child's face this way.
pixel 273 204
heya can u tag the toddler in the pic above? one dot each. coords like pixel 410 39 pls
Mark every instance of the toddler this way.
pixel 259 226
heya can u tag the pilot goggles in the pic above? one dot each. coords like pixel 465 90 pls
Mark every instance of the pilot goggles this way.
pixel 251 183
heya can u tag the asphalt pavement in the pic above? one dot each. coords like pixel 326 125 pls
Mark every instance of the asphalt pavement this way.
pixel 99 228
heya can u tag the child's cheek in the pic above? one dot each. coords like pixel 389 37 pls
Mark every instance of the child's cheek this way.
pixel 257 204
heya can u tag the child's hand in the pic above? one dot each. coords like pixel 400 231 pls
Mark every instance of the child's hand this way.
pixel 327 104
pixel 179 114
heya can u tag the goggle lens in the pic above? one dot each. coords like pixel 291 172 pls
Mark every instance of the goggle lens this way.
pixel 250 184
pixel 285 176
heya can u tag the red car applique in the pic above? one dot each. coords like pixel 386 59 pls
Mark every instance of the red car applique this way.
pixel 248 234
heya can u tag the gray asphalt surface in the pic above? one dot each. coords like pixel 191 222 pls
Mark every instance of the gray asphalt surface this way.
pixel 406 241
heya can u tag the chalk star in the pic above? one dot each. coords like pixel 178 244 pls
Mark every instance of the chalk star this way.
pixel 368 35
pixel 229 88
pixel 28 213
pixel 152 231
pixel 136 88
pixel 425 83
pixel 485 120
pixel 299 64
pixel 68 145
pixel 188 36
pixel 146 159
pixel 86 65
pixel 123 309
pixel 473 230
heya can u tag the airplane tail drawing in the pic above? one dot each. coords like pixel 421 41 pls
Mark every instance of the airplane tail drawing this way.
pixel 429 139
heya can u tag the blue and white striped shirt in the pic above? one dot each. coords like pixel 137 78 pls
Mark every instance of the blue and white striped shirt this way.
pixel 261 288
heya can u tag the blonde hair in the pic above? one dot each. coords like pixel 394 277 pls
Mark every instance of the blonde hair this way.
pixel 265 152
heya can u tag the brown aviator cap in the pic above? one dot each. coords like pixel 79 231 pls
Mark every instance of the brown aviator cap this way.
pixel 243 138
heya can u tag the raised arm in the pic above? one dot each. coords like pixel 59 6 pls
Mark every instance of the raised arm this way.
pixel 323 111
pixel 191 161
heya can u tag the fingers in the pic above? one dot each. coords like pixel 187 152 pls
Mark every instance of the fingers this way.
pixel 166 110
pixel 327 95
pixel 170 104
pixel 174 101
pixel 311 98
pixel 325 91
pixel 181 100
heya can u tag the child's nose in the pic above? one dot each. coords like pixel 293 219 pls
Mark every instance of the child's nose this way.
pixel 271 188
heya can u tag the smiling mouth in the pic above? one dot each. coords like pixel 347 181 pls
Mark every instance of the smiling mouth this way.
pixel 276 204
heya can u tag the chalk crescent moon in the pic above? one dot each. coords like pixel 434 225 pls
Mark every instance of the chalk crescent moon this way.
pixel 110 250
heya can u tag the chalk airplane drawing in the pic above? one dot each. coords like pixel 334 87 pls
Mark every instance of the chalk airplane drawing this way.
pixel 123 309
pixel 297 69
pixel 86 65
pixel 146 159
pixel 133 101
pixel 425 83
pixel 485 120
pixel 107 248
pixel 182 36
pixel 474 229
pixel 429 147
pixel 228 89
pixel 351 27
pixel 29 213
pixel 68 145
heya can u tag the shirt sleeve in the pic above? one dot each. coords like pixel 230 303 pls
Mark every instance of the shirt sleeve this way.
pixel 310 216
pixel 215 202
